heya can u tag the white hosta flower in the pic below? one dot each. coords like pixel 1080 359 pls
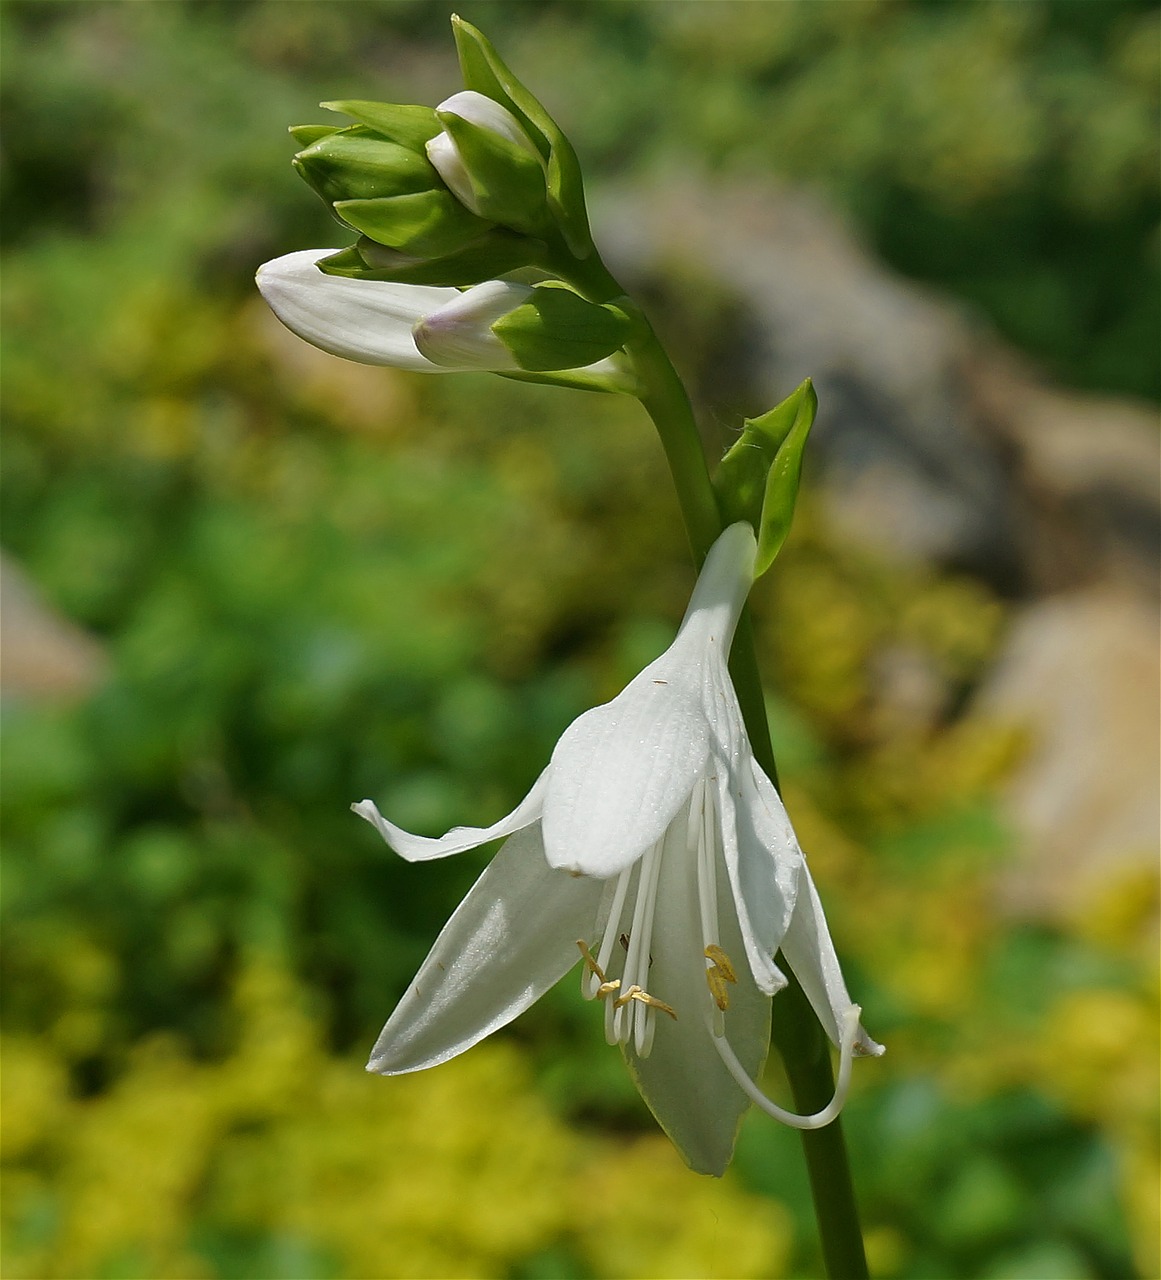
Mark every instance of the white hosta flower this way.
pixel 655 844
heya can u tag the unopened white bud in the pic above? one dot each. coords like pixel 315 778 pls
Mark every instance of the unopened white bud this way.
pixel 448 158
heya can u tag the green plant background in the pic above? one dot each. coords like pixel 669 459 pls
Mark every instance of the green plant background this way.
pixel 317 582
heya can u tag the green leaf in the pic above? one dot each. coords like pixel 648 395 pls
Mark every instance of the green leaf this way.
pixel 558 329
pixel 410 126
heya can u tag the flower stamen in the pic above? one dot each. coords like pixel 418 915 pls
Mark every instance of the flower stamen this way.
pixel 636 993
pixel 847 1051
pixel 718 976
pixel 627 1022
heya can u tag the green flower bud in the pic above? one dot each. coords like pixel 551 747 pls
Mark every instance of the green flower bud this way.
pixel 555 328
pixel 305 134
pixel 757 480
pixel 409 126
pixel 421 224
pixel 485 157
pixel 359 164
pixel 485 73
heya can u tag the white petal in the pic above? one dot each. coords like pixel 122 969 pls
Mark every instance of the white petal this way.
pixel 692 1095
pixel 809 951
pixel 763 870
pixel 621 772
pixel 365 320
pixel 511 938
pixel 448 163
pixel 424 848
pixel 460 333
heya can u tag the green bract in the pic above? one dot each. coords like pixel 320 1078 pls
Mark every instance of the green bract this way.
pixel 422 224
pixel 410 126
pixel 557 329
pixel 507 181
pixel 757 480
pixel 493 254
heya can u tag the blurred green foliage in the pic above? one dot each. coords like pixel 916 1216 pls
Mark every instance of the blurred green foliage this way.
pixel 317 582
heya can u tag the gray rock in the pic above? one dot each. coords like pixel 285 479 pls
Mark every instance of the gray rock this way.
pixel 934 442
pixel 1079 674
pixel 42 654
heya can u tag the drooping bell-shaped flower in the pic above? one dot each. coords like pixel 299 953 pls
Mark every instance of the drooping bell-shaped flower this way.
pixel 655 850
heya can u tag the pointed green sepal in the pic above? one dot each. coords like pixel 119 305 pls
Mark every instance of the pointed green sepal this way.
pixel 305 134
pixel 558 329
pixel 411 127
pixel 618 380
pixel 485 72
pixel 357 164
pixel 425 224
pixel 507 182
pixel 758 478
pixel 346 262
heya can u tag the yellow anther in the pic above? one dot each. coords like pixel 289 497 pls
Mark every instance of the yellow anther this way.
pixel 607 988
pixel 638 993
pixel 719 975
pixel 721 961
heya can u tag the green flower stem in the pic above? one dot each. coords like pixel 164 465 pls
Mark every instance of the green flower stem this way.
pixel 797 1034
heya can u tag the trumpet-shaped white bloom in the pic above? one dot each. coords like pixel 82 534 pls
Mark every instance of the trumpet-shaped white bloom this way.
pixel 655 850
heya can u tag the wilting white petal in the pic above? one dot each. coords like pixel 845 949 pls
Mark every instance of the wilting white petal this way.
pixel 460 335
pixel 620 773
pixel 365 320
pixel 511 938
pixel 683 1081
pixel 810 953
pixel 424 848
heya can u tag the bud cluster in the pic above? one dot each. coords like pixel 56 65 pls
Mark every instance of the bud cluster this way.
pixel 481 194
pixel 480 186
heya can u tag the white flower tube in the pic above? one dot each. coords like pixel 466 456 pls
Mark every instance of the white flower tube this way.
pixel 655 844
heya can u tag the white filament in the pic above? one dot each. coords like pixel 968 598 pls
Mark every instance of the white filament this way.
pixel 819 1120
